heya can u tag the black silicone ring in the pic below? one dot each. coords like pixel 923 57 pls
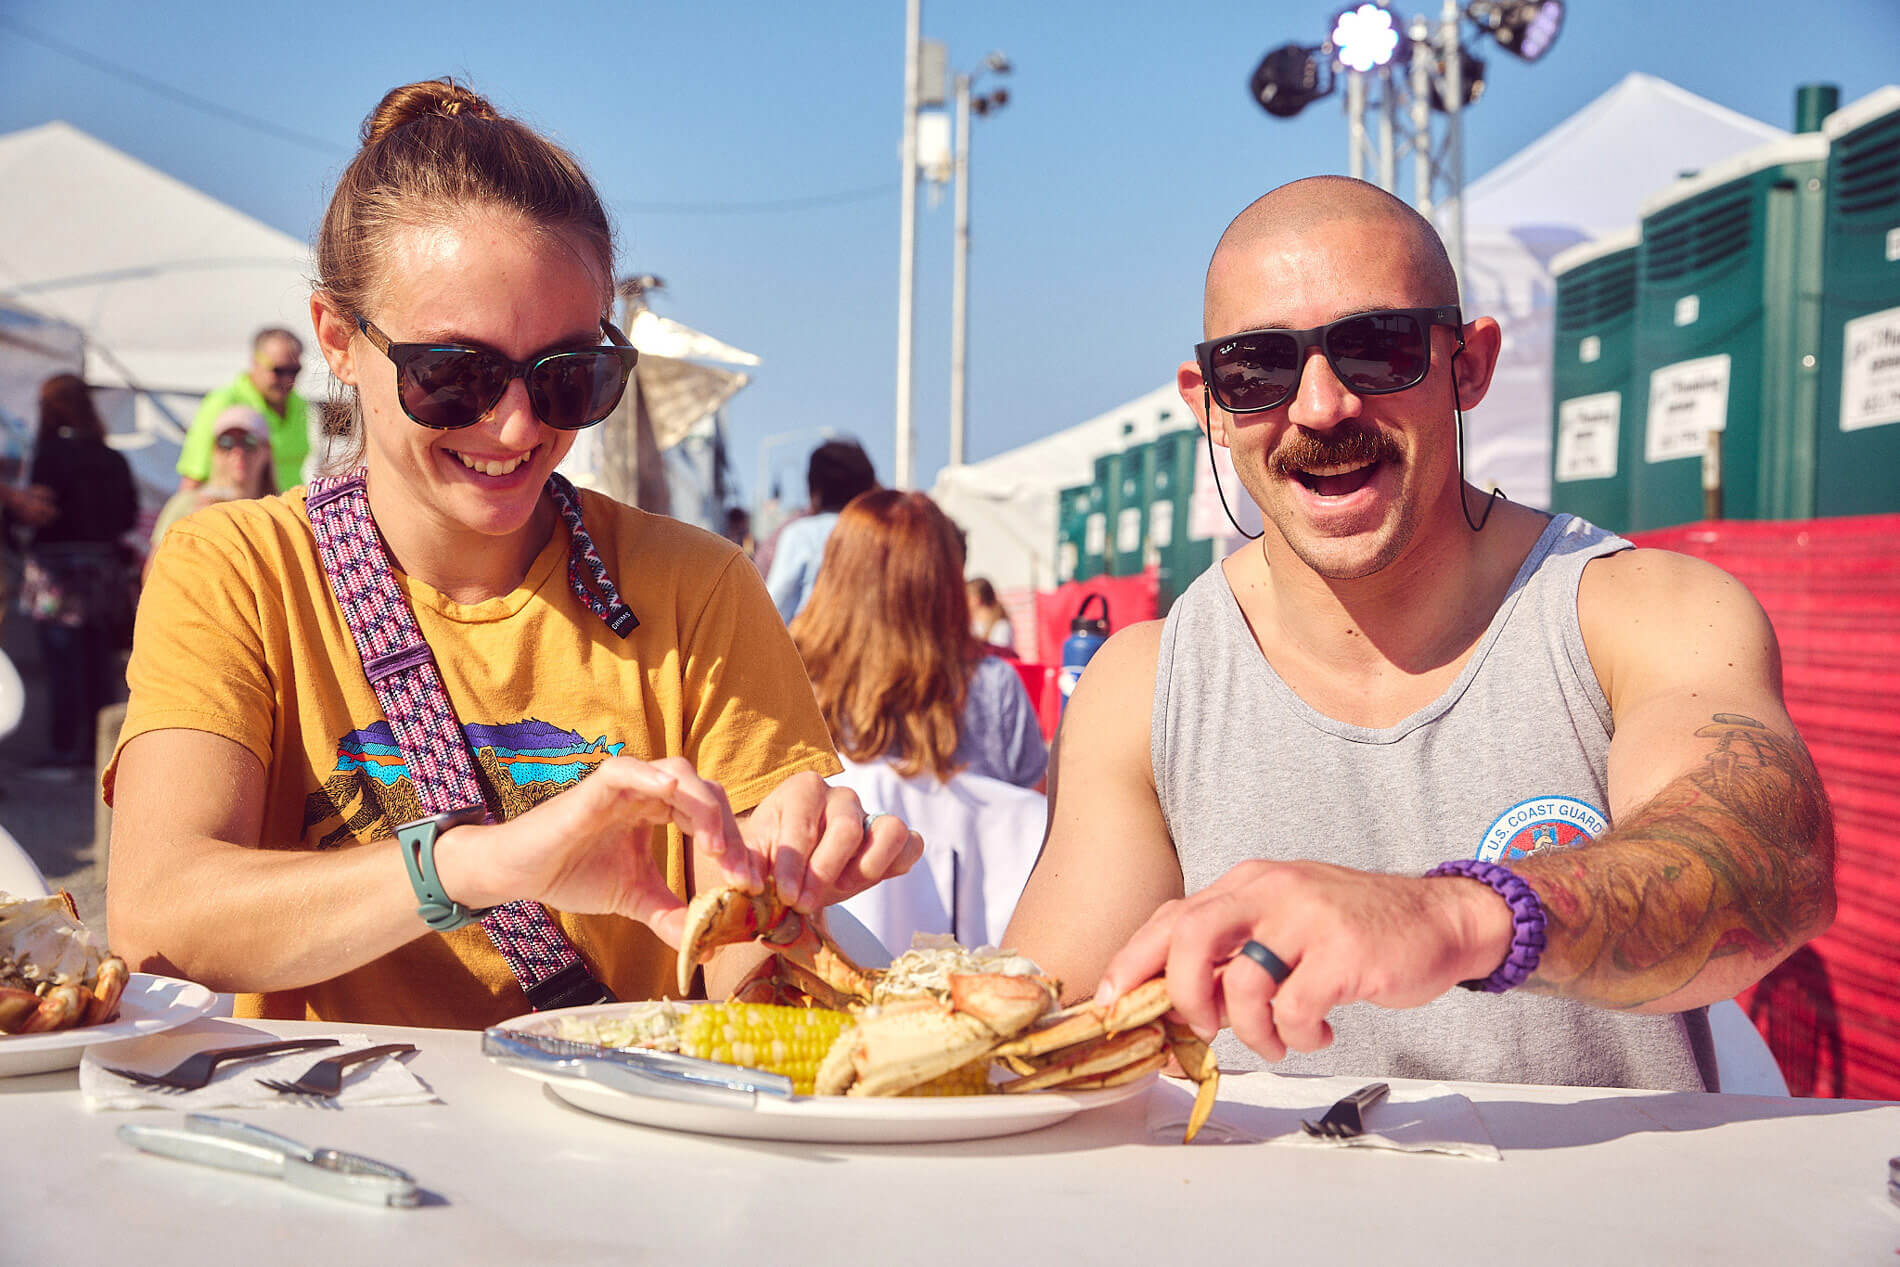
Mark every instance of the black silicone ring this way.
pixel 1274 966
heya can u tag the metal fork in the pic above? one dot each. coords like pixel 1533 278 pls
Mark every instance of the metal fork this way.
pixel 194 1072
pixel 1346 1119
pixel 325 1078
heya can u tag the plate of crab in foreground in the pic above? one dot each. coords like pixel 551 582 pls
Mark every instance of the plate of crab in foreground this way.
pixel 147 1005
pixel 939 1114
pixel 944 1043
pixel 62 990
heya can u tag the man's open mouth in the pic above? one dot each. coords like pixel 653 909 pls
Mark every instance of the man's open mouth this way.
pixel 1337 481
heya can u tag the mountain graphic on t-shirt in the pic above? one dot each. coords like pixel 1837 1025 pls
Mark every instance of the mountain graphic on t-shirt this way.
pixel 368 792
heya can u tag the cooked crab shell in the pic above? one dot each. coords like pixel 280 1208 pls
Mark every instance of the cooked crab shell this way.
pixel 54 973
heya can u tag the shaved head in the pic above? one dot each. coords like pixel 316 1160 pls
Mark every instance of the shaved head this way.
pixel 1294 211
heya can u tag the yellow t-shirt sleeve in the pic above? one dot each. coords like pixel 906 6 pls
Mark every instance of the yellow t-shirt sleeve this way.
pixel 752 718
pixel 198 656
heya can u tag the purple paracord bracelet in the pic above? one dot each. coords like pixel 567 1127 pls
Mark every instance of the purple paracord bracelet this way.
pixel 1527 921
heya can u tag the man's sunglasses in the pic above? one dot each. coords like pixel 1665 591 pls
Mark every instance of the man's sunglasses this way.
pixel 447 385
pixel 1373 353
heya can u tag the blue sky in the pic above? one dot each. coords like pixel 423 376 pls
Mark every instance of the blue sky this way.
pixel 1128 143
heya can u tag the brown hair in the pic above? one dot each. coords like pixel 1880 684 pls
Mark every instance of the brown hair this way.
pixel 66 405
pixel 432 151
pixel 886 635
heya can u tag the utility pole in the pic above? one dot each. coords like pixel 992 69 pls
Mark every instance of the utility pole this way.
pixel 1454 54
pixel 960 275
pixel 907 248
pixel 996 64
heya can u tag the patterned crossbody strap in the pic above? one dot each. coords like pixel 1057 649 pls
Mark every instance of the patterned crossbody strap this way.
pixel 401 670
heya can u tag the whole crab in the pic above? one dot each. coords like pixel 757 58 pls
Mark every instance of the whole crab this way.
pixel 940 1007
pixel 53 973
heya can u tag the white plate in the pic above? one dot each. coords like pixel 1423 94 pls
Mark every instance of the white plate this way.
pixel 150 1005
pixel 833 1119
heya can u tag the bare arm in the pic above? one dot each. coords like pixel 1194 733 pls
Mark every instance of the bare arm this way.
pixel 1107 861
pixel 196 892
pixel 1721 860
pixel 1719 865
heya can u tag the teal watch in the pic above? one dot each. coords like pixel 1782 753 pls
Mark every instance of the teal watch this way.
pixel 418 839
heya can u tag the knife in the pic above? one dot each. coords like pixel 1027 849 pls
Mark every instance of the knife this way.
pixel 636 1071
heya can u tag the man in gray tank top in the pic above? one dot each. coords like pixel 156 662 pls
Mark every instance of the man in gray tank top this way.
pixel 1586 740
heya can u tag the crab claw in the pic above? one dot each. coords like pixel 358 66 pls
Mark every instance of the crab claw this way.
pixel 725 917
pixel 1196 1059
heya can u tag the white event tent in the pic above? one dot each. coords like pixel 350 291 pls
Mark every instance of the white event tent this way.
pixel 165 284
pixel 1583 180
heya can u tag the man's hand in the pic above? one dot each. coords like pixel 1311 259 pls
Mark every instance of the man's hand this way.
pixel 1347 935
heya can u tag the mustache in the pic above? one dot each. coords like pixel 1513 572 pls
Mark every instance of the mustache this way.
pixel 1356 446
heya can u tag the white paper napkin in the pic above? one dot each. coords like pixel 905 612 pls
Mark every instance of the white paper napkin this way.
pixel 234 1085
pixel 1424 1118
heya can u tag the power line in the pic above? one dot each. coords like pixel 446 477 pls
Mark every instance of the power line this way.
pixel 770 204
pixel 239 117
pixel 166 90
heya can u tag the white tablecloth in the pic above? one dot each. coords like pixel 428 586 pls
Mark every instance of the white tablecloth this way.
pixel 1586 1176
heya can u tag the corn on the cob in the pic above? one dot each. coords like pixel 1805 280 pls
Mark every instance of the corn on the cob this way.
pixel 970 1079
pixel 784 1040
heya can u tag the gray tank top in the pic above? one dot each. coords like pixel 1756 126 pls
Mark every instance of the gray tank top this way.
pixel 1513 756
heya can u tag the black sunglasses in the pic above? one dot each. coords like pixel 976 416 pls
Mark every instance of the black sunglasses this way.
pixel 447 386
pixel 1373 353
pixel 238 440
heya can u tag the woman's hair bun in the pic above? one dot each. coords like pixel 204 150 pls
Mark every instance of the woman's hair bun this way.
pixel 430 98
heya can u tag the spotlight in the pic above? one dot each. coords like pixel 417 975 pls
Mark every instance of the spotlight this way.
pixel 1525 28
pixel 1470 78
pixel 1289 79
pixel 1365 37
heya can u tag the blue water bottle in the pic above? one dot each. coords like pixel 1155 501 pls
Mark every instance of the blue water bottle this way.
pixel 1086 636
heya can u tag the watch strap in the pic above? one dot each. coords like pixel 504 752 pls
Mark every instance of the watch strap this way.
pixel 1528 922
pixel 437 909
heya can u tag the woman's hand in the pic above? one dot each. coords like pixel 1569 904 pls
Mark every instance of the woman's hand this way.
pixel 813 835
pixel 588 850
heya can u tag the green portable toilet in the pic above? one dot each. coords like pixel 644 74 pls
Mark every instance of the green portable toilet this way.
pixel 1594 431
pixel 1727 326
pixel 1131 509
pixel 1103 510
pixel 1072 518
pixel 1857 411
pixel 1094 558
pixel 1177 559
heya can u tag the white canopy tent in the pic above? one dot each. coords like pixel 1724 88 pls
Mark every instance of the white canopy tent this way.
pixel 1007 504
pixel 167 284
pixel 1584 179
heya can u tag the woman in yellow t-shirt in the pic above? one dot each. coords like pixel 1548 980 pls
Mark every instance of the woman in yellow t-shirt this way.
pixel 465 273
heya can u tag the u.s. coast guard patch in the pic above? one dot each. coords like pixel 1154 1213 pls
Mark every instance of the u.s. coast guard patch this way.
pixel 1541 823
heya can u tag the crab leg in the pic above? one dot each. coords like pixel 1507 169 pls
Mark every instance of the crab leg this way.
pixel 1146 1002
pixel 731 917
pixel 1105 1055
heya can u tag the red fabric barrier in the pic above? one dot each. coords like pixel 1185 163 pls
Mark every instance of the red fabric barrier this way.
pixel 1131 599
pixel 1831 1013
pixel 1040 681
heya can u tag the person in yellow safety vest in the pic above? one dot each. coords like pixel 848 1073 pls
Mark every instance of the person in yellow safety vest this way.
pixel 267 386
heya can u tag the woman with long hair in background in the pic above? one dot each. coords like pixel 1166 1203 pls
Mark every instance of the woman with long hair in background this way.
pixel 886 640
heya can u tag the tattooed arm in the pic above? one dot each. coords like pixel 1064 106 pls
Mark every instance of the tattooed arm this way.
pixel 1721 858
